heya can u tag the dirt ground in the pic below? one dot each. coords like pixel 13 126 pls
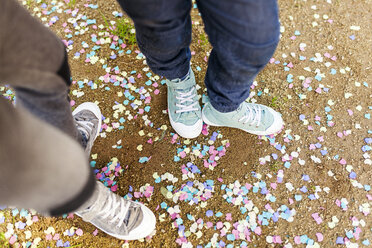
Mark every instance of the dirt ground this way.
pixel 309 186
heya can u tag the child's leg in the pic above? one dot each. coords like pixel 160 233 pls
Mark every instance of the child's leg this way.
pixel 33 61
pixel 41 167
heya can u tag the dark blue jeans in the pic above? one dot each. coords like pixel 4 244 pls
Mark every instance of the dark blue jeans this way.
pixel 243 33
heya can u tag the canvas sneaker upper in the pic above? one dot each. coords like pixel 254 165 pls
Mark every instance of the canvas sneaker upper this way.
pixel 88 122
pixel 118 217
pixel 253 118
pixel 183 106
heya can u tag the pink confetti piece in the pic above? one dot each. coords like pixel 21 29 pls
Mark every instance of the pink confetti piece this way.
pixel 79 232
pixel 317 218
pixel 297 240
pixel 258 230
pixel 277 239
pixel 228 216
pixel 319 236
pixel 209 224
pixel 12 240
pixel 35 218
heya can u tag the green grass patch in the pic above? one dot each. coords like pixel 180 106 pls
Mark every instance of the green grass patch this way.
pixel 203 40
pixel 71 4
pixel 125 30
pixel 275 166
pixel 3 241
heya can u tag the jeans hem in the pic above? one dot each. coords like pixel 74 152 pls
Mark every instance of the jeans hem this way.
pixel 224 108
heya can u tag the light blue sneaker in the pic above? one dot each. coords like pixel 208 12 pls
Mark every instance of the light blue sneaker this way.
pixel 183 106
pixel 253 118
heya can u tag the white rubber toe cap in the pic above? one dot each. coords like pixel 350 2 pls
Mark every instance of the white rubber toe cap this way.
pixel 146 227
pixel 188 132
pixel 94 109
pixel 277 124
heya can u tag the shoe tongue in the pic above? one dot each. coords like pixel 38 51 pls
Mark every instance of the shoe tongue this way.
pixel 133 218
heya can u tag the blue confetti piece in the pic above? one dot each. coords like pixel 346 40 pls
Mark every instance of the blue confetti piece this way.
pixel 15 212
pixel 209 213
pixel 93 6
pixel 219 214
pixel 91 21
pixel 143 160
pixel 23 213
pixel 287 164
pixel 340 240
pixel 2 219
pixel 352 175
pixel 365 242
pixel 304 239
pixel 179 221
pixel 230 237
pixel 305 177
pixel 59 243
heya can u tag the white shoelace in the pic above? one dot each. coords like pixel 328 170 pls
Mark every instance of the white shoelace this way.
pixel 85 126
pixel 110 210
pixel 184 98
pixel 250 116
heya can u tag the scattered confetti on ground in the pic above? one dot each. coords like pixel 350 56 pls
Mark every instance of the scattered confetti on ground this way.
pixel 308 186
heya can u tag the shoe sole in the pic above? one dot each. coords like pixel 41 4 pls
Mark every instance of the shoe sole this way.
pixel 262 133
pixel 144 229
pixel 94 109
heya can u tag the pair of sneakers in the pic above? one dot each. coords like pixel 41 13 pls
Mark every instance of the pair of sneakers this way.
pixel 186 116
pixel 112 214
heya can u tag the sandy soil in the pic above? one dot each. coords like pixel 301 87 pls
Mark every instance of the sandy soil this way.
pixel 315 176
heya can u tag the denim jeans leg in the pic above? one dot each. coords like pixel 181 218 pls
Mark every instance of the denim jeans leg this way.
pixel 163 32
pixel 244 35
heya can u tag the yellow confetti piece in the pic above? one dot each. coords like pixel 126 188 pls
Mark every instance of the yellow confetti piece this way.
pixel 167 194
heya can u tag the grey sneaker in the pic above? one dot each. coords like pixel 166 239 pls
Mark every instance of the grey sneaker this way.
pixel 253 118
pixel 120 218
pixel 183 106
pixel 88 122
